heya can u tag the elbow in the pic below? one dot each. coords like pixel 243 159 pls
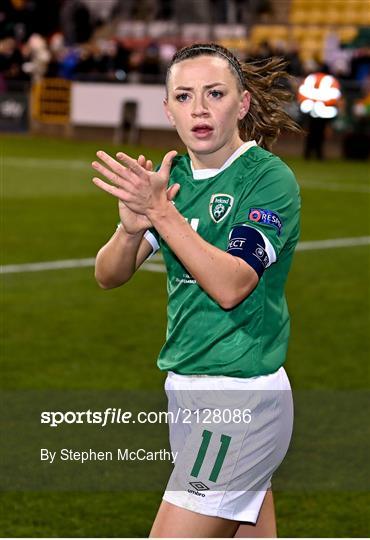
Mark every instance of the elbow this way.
pixel 106 278
pixel 239 287
pixel 230 299
pixel 229 302
pixel 106 283
pixel 102 284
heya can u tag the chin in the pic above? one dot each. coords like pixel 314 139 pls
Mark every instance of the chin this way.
pixel 205 147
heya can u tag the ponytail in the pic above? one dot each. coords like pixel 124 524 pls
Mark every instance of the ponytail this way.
pixel 267 115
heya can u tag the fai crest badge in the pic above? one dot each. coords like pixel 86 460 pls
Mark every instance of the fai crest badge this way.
pixel 220 206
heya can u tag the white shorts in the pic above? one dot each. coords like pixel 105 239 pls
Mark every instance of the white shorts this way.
pixel 228 435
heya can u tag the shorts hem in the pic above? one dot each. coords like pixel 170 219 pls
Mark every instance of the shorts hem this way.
pixel 248 516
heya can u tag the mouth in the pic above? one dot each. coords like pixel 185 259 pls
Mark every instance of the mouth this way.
pixel 202 130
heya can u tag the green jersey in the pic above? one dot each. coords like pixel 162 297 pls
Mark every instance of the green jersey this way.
pixel 257 190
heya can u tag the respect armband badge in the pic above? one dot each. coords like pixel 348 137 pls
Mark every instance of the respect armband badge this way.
pixel 266 217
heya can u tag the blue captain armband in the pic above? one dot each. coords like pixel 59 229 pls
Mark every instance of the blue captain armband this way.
pixel 252 246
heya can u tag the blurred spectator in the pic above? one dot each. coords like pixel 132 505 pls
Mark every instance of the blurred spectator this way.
pixel 260 52
pixel 68 62
pixel 361 106
pixel 37 57
pixel 75 22
pixel 188 11
pixel 115 60
pixel 360 64
pixel 294 66
pixel 150 67
pixel 356 142
pixel 314 142
pixel 165 11
pixel 11 60
pixel 22 18
pixel 335 56
pixel 105 10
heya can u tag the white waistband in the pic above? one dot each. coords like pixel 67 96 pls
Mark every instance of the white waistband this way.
pixel 274 381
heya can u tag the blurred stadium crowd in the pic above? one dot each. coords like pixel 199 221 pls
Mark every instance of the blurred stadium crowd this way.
pixel 127 41
pixel 122 40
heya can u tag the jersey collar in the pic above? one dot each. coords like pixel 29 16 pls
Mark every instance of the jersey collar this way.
pixel 203 174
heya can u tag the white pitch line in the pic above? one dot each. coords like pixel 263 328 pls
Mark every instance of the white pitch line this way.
pixel 152 267
pixel 334 243
pixel 157 267
pixel 47 265
pixel 334 186
pixel 65 264
pixel 35 163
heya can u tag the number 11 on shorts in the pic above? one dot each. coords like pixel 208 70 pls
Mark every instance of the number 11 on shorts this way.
pixel 220 458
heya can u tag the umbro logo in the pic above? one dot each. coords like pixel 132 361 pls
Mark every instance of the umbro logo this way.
pixel 199 486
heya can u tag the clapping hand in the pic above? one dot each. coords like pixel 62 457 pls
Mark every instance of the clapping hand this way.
pixel 137 187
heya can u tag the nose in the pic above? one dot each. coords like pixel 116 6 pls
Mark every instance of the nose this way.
pixel 199 107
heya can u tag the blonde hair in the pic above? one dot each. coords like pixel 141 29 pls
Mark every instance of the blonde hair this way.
pixel 263 80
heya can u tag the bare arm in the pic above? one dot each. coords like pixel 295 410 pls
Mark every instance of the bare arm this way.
pixel 127 249
pixel 120 257
pixel 226 278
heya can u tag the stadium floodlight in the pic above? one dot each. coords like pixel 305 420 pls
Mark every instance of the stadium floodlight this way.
pixel 319 95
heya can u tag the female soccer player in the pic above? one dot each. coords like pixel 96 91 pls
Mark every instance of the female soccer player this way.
pixel 226 215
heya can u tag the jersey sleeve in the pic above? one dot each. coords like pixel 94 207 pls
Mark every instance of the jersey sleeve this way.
pixel 152 237
pixel 272 206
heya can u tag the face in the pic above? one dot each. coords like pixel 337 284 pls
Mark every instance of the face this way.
pixel 204 104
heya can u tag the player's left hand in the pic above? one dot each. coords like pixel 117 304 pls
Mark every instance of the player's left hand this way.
pixel 139 188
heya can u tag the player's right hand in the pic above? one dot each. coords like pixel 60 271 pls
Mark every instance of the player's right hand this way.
pixel 132 222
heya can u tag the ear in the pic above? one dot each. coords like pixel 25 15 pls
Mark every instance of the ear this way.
pixel 168 113
pixel 244 104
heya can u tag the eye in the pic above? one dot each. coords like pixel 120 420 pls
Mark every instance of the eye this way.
pixel 216 94
pixel 182 97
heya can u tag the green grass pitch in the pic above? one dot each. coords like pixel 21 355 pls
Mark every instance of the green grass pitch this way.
pixel 60 331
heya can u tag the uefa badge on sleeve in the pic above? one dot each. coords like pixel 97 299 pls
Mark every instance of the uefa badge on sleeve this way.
pixel 220 206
